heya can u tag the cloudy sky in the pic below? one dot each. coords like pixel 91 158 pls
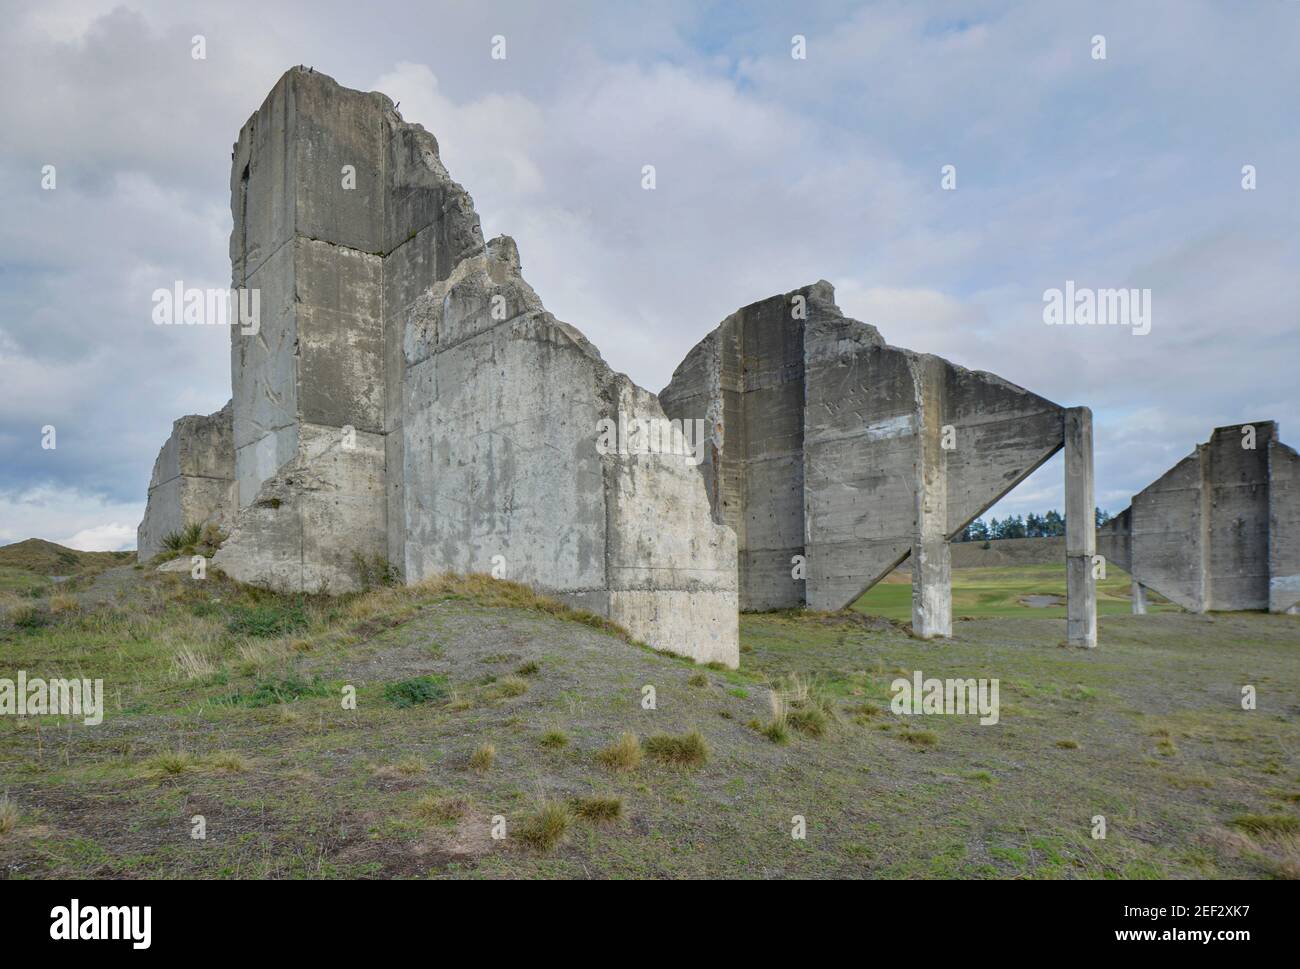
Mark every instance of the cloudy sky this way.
pixel 772 172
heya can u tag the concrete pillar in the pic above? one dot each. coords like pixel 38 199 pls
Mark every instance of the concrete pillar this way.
pixel 931 556
pixel 1080 529
pixel 1139 598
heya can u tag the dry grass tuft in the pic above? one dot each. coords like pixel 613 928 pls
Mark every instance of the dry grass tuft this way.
pixel 623 756
pixel 688 750
pixel 547 827
pixel 483 758
pixel 598 809
pixel 433 807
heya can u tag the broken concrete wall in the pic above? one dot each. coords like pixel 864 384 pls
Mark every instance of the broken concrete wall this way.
pixel 384 410
pixel 836 447
pixel 1218 530
pixel 746 382
pixel 502 418
pixel 193 480
pixel 343 215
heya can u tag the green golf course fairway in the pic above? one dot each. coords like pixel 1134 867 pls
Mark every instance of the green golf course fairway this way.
pixel 999 591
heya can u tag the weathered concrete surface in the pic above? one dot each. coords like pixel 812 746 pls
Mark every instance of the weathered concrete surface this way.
pixel 384 409
pixel 193 480
pixel 833 449
pixel 1221 529
pixel 318 387
pixel 503 474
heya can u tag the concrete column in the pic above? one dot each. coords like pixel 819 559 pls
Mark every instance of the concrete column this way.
pixel 1139 598
pixel 931 556
pixel 1080 529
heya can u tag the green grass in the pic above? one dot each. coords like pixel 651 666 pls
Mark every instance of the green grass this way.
pixel 417 690
pixel 997 591
pixel 688 750
pixel 267 619
pixel 250 731
pixel 283 689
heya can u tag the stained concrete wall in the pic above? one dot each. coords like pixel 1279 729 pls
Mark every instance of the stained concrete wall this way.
pixel 318 389
pixel 193 481
pixel 830 444
pixel 383 410
pixel 503 474
pixel 1219 530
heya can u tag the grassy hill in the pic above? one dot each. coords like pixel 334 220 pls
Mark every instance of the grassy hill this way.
pixel 478 701
pixel 34 564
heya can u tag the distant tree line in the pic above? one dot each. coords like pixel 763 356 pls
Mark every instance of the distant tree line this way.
pixel 1031 526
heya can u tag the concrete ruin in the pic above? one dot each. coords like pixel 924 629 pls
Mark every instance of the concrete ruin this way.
pixel 406 398
pixel 1220 530
pixel 193 480
pixel 835 456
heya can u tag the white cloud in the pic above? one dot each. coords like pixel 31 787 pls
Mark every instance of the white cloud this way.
pixel 772 173
pixel 69 516
pixel 113 537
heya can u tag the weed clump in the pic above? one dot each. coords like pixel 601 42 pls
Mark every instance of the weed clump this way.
pixel 415 691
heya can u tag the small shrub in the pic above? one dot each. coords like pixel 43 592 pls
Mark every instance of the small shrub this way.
pixel 187 537
pixel 625 755
pixel 1068 744
pixel 598 809
pixel 483 758
pixel 688 750
pixel 698 680
pixel 554 739
pixel 417 690
pixel 531 668
pixel 547 827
